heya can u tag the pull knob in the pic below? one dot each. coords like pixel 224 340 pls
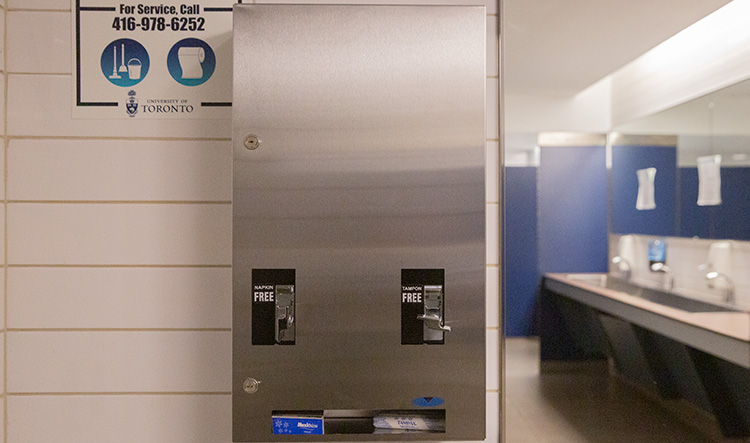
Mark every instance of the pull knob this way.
pixel 433 314
pixel 434 322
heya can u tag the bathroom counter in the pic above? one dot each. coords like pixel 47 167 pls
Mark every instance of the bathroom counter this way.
pixel 722 334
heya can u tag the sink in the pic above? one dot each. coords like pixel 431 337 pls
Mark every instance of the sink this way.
pixel 653 295
pixel 591 279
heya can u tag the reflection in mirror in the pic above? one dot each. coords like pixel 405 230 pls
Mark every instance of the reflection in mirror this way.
pixel 645 199
pixel 631 154
pixel 713 126
pixel 709 180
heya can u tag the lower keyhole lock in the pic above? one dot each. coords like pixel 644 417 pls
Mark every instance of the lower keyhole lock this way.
pixel 252 142
pixel 251 385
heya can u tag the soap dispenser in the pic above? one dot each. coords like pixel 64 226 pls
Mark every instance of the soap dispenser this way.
pixel 657 252
pixel 625 257
pixel 720 257
pixel 657 257
pixel 718 266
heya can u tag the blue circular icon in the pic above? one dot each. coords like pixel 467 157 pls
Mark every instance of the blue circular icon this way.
pixel 191 62
pixel 125 62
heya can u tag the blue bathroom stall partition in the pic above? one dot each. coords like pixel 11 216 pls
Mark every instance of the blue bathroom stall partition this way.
pixel 572 234
pixel 572 211
pixel 732 216
pixel 626 219
pixel 555 220
pixel 521 252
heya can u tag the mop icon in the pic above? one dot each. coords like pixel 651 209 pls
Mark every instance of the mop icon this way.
pixel 115 75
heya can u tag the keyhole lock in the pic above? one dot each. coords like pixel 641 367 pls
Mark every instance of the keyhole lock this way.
pixel 252 142
pixel 251 385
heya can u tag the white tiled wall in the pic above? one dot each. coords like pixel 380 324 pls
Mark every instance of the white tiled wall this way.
pixel 46 35
pixel 119 297
pixel 59 5
pixel 119 361
pixel 120 418
pixel 3 94
pixel 87 170
pixel 116 312
pixel 2 32
pixel 119 234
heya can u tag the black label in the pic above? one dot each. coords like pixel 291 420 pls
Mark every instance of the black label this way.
pixel 413 282
pixel 264 303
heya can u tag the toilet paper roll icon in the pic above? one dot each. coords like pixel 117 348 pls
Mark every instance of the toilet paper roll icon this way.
pixel 190 59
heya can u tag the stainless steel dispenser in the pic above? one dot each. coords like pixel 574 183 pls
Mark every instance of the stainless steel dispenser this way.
pixel 358 247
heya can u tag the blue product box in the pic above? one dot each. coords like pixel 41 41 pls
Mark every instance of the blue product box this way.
pixel 297 425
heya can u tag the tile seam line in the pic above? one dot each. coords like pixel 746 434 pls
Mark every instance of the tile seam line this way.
pixel 138 393
pixel 35 10
pixel 98 265
pixel 118 330
pixel 6 144
pixel 115 393
pixel 93 137
pixel 10 72
pixel 123 202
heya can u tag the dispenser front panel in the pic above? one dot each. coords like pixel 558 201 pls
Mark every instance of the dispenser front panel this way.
pixel 359 223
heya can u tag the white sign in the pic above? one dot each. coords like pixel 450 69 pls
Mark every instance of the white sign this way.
pixel 152 59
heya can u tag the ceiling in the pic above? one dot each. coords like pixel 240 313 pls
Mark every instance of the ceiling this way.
pixel 560 47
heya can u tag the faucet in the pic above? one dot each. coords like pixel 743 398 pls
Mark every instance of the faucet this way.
pixel 627 272
pixel 728 285
pixel 661 267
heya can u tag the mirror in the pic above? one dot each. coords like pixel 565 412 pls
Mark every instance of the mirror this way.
pixel 672 141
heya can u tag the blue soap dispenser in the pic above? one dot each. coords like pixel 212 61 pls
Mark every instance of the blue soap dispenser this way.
pixel 657 251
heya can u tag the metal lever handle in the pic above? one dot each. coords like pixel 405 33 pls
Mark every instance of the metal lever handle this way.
pixel 289 317
pixel 284 319
pixel 433 321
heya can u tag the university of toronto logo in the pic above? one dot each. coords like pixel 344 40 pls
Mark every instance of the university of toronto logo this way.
pixel 131 105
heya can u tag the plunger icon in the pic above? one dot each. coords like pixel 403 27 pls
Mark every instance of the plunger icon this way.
pixel 114 75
